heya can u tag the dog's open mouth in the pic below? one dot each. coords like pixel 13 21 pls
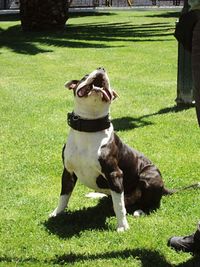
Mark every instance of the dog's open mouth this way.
pixel 97 84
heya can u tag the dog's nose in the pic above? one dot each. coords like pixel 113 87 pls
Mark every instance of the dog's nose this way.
pixel 101 68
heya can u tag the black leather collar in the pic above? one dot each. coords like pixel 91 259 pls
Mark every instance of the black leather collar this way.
pixel 90 126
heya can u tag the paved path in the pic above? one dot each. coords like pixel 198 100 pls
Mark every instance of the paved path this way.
pixel 99 9
pixel 9 11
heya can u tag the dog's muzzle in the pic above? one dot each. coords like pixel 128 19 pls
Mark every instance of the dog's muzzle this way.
pixel 96 82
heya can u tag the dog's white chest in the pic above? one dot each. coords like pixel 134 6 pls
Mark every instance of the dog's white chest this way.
pixel 82 153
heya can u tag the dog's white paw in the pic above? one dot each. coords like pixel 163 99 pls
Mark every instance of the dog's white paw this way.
pixel 55 213
pixel 121 229
pixel 138 213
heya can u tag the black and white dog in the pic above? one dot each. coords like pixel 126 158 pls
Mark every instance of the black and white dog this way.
pixel 96 155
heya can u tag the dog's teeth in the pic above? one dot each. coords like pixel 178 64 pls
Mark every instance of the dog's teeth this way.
pixel 97 87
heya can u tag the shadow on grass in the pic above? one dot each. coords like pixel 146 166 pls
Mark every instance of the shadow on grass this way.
pixel 166 15
pixel 129 123
pixel 90 14
pixel 148 258
pixel 194 262
pixel 72 223
pixel 88 35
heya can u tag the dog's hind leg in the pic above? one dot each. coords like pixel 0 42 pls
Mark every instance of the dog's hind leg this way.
pixel 68 183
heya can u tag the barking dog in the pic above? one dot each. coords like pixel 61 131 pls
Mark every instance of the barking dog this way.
pixel 96 155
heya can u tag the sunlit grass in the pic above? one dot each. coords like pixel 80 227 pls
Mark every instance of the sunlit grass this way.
pixel 140 54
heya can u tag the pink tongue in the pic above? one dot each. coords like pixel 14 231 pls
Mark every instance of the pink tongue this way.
pixel 82 92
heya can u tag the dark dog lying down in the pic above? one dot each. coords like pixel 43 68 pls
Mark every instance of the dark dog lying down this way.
pixel 96 155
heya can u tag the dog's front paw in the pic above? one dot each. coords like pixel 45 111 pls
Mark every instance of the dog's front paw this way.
pixel 55 213
pixel 122 228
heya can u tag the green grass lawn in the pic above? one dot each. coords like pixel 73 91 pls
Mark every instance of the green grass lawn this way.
pixel 140 54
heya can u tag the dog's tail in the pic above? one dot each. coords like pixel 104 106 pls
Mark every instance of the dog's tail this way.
pixel 173 191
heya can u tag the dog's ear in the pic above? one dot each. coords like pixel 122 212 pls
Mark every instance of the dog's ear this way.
pixel 71 84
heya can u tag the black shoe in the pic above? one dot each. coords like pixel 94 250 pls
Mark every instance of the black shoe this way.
pixel 190 243
pixel 182 243
pixel 197 240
